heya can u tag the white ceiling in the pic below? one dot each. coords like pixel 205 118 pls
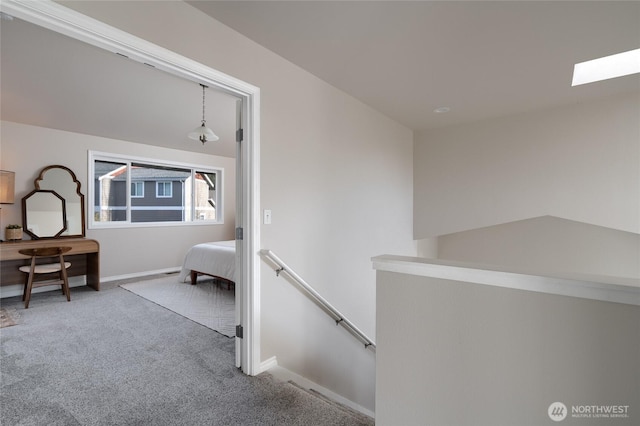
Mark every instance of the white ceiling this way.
pixel 481 59
pixel 406 58
pixel 53 81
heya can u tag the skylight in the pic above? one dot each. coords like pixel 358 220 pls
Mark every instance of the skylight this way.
pixel 612 66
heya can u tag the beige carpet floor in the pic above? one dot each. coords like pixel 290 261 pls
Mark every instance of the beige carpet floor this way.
pixel 208 303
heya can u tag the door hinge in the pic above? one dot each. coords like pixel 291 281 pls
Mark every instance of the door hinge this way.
pixel 239 331
pixel 239 135
pixel 239 234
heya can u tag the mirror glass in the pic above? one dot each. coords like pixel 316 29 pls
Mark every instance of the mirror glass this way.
pixel 44 214
pixel 62 182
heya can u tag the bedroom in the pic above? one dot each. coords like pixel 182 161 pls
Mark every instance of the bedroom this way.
pixel 322 222
pixel 97 97
pixel 93 85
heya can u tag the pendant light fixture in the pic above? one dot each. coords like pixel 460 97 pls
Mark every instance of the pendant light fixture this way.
pixel 202 133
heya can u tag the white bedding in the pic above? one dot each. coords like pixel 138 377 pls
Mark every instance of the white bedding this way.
pixel 216 258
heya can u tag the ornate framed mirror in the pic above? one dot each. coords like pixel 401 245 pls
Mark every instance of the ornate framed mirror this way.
pixel 57 186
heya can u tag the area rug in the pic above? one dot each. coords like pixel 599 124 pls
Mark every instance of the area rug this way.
pixel 208 303
pixel 6 319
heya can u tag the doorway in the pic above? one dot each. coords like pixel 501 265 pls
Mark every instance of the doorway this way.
pixel 57 18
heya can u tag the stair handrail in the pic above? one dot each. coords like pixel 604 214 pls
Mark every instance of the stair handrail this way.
pixel 317 298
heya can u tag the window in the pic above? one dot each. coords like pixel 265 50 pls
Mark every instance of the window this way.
pixel 164 190
pixel 137 189
pixel 159 192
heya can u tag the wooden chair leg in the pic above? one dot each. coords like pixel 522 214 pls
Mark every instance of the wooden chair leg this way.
pixel 194 277
pixel 66 287
pixel 65 281
pixel 26 283
pixel 29 284
pixel 64 292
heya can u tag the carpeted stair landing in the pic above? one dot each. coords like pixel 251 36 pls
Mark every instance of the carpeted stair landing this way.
pixel 113 358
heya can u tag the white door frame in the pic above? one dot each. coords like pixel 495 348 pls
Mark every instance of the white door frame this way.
pixel 58 18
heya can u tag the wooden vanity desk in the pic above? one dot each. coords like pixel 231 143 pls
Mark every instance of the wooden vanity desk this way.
pixel 84 257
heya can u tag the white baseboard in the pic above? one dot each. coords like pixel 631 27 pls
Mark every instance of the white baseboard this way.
pixel 268 364
pixel 283 374
pixel 140 274
pixel 17 289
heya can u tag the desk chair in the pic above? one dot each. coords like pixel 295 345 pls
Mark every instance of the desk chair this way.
pixel 48 268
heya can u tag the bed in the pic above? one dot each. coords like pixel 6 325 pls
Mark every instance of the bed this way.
pixel 216 259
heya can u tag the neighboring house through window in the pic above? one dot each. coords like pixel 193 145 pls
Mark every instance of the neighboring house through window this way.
pixel 160 192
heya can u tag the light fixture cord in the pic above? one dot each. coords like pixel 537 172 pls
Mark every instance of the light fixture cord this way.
pixel 203 89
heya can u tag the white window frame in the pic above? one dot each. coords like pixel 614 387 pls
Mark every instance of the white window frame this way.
pixel 128 160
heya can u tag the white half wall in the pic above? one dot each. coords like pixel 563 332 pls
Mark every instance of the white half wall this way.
pixel 579 162
pixel 478 354
pixel 124 251
pixel 547 244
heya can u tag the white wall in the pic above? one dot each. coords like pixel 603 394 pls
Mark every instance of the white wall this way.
pixel 547 244
pixel 580 162
pixel 126 251
pixel 336 175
